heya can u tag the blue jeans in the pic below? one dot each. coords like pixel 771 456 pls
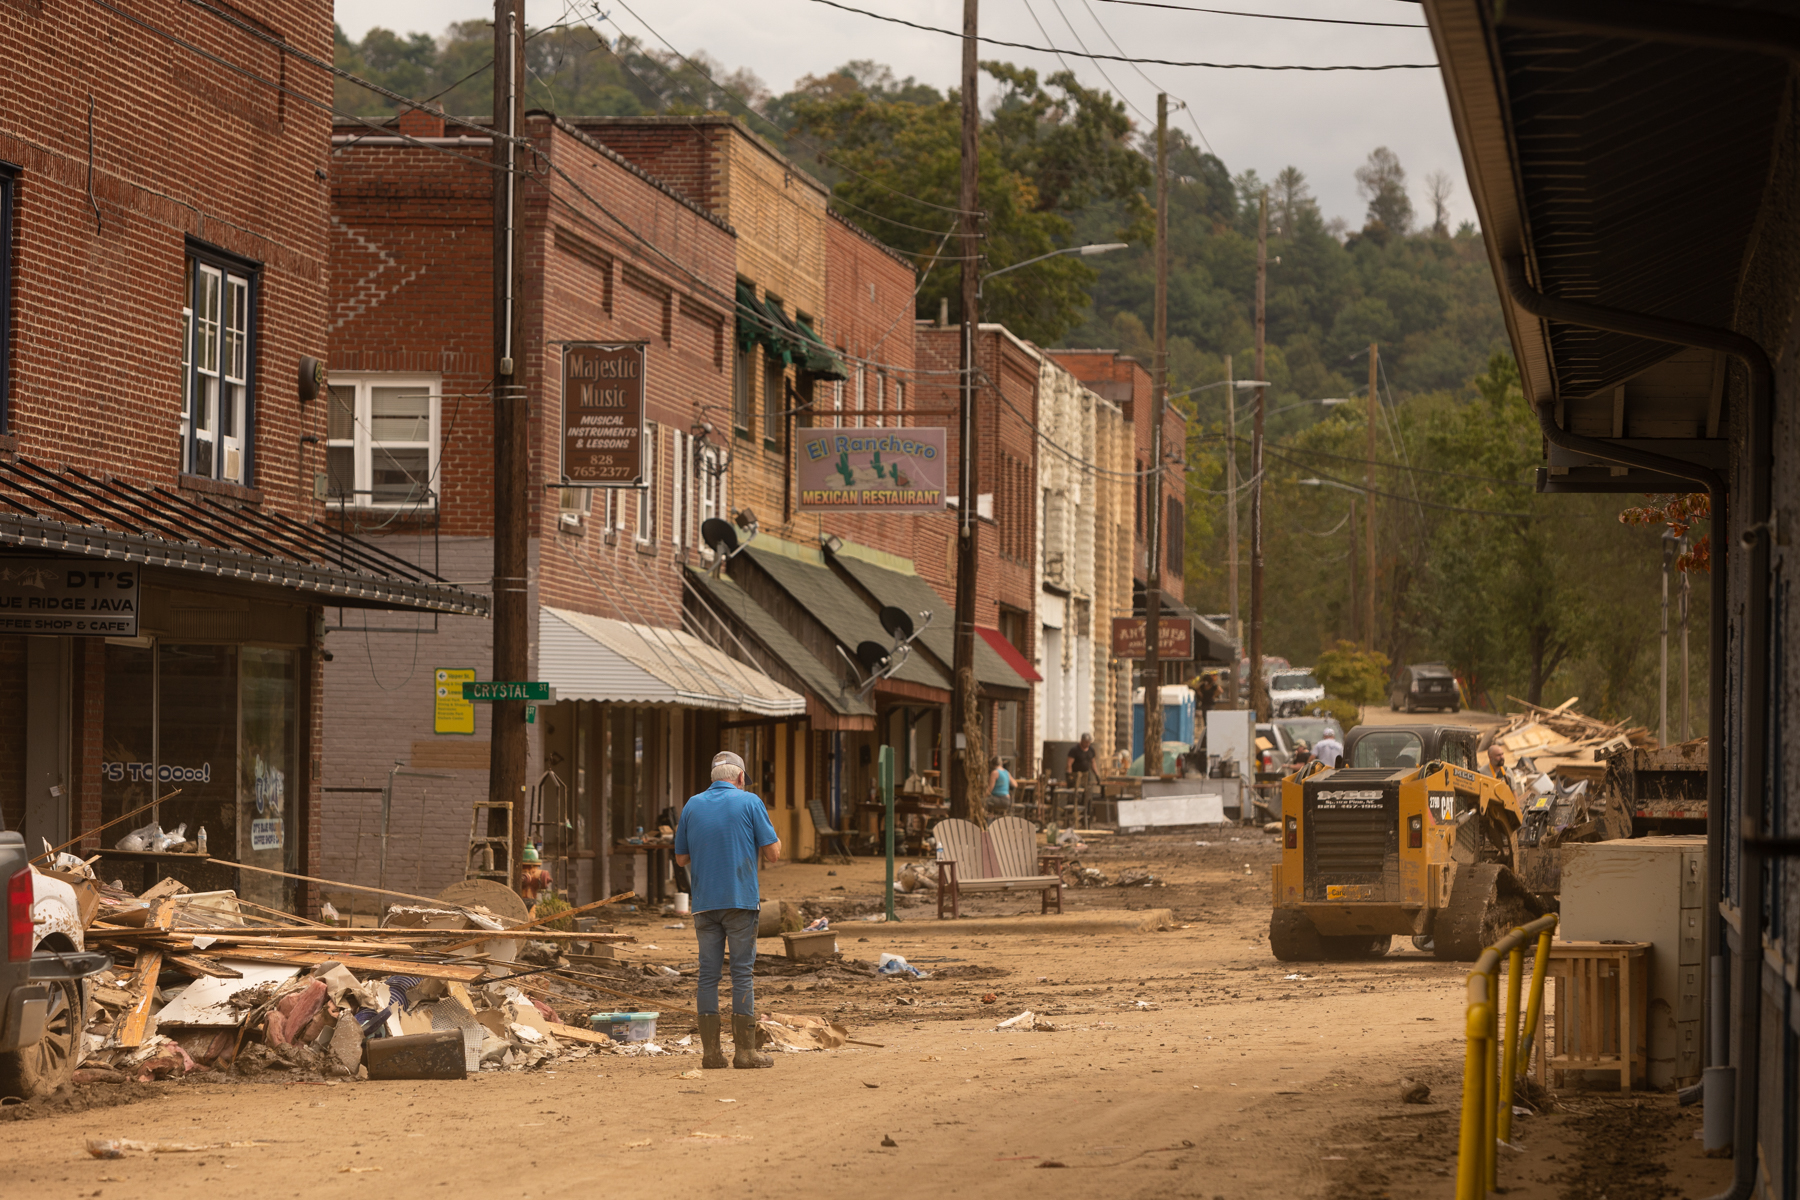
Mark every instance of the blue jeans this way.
pixel 714 929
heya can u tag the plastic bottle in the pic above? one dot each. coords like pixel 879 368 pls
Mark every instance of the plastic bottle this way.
pixel 200 839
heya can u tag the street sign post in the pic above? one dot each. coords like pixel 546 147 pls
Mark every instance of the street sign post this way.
pixel 490 690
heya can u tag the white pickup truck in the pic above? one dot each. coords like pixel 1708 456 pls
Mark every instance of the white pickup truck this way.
pixel 43 969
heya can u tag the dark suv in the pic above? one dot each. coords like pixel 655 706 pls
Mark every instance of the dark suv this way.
pixel 1425 685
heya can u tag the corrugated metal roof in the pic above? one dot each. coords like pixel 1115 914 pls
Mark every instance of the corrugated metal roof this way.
pixel 585 657
pixel 916 596
pixel 845 614
pixel 68 511
pixel 774 636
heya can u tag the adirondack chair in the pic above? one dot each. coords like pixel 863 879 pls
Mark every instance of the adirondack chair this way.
pixel 1001 858
pixel 824 834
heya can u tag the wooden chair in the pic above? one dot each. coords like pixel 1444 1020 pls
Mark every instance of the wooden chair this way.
pixel 1001 858
pixel 824 834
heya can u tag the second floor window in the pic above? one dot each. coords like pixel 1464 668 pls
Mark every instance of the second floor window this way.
pixel 216 394
pixel 382 441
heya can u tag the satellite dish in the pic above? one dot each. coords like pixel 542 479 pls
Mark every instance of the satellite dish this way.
pixel 896 621
pixel 719 535
pixel 872 655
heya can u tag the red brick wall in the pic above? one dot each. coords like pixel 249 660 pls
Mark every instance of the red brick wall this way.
pixel 685 153
pixel 183 147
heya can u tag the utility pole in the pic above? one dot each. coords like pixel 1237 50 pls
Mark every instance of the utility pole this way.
pixel 1668 554
pixel 1258 693
pixel 1159 398
pixel 1369 505
pixel 1231 569
pixel 965 703
pixel 512 462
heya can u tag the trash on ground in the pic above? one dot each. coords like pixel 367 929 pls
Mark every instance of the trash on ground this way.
pixel 894 964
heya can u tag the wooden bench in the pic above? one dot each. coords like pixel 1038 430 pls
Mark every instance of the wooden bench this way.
pixel 1001 858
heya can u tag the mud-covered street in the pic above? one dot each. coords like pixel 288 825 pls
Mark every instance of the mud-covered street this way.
pixel 1168 1055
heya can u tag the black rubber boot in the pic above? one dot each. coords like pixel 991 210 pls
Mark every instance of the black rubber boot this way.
pixel 709 1042
pixel 743 1037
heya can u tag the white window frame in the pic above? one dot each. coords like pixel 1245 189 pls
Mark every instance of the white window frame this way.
pixel 837 403
pixel 712 485
pixel 678 500
pixel 645 532
pixel 218 313
pixel 362 442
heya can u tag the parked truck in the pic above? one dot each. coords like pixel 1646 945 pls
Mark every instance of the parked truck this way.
pixel 44 967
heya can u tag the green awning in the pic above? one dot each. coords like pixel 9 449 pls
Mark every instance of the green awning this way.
pixel 816 358
pixel 752 318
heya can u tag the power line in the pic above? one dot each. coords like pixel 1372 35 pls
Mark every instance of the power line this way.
pixel 1357 487
pixel 1159 62
pixel 1186 107
pixel 1229 12
pixel 1393 466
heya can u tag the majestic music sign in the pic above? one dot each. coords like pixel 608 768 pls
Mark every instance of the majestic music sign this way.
pixel 864 468
pixel 603 415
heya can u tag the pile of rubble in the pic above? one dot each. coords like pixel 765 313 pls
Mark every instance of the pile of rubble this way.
pixel 1563 742
pixel 1555 759
pixel 211 982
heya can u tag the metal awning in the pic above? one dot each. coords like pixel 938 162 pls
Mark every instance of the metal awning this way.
pixel 107 517
pixel 913 594
pixel 1614 164
pixel 832 703
pixel 585 657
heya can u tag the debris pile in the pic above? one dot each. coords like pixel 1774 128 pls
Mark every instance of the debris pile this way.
pixel 209 982
pixel 1561 741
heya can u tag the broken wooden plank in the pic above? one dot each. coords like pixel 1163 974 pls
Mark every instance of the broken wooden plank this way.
pixel 203 967
pixel 517 929
pixel 143 989
pixel 387 966
pixel 570 1033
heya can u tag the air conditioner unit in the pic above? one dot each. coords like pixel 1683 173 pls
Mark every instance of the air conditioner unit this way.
pixel 571 521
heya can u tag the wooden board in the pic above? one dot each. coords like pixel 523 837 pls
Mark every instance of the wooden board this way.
pixel 386 966
pixel 195 964
pixel 143 991
pixel 570 1033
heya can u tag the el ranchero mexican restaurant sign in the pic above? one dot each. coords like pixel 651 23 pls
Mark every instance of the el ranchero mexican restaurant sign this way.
pixel 603 414
pixel 68 596
pixel 861 468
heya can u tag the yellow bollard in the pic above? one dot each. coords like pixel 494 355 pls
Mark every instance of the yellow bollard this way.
pixel 1470 1170
pixel 1509 1053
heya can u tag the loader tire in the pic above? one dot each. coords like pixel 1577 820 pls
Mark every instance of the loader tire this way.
pixel 1486 900
pixel 1294 938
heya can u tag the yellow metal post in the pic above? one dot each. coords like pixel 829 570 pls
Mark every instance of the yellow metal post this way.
pixel 1490 1082
pixel 1470 1173
pixel 1534 1009
pixel 1509 1047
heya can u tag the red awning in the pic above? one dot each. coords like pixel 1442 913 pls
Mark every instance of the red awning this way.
pixel 1010 653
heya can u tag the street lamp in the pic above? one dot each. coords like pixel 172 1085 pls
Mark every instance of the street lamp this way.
pixel 1329 483
pixel 1085 252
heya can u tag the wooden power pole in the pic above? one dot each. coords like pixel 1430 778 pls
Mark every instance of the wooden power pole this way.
pixel 512 460
pixel 1258 693
pixel 968 774
pixel 1369 505
pixel 1235 695
pixel 1159 393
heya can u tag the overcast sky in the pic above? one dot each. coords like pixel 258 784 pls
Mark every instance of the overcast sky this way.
pixel 1325 123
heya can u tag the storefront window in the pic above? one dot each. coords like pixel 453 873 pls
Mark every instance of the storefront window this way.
pixel 128 743
pixel 197 742
pixel 267 779
pixel 14 694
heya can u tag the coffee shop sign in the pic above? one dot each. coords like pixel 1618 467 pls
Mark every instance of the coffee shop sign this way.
pixel 119 772
pixel 51 595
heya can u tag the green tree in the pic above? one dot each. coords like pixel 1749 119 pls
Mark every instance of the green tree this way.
pixel 1348 673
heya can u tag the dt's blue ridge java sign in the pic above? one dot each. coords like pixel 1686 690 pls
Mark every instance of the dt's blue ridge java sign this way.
pixel 864 467
pixel 72 597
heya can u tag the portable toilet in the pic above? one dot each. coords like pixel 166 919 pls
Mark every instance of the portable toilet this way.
pixel 1177 714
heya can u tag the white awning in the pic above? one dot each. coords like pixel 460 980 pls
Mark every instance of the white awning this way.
pixel 585 657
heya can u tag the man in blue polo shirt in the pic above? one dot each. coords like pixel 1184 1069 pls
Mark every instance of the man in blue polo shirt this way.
pixel 718 839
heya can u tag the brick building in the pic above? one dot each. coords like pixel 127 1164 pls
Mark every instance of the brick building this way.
pixel 806 594
pixel 610 255
pixel 164 575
